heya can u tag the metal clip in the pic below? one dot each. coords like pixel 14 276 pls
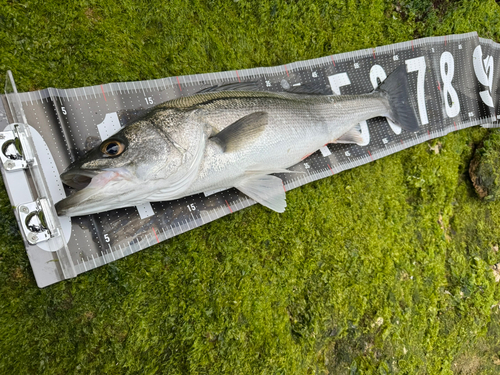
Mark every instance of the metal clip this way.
pixel 35 225
pixel 15 149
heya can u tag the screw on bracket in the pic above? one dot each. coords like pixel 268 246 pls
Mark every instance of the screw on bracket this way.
pixel 9 165
pixel 32 238
pixel 24 209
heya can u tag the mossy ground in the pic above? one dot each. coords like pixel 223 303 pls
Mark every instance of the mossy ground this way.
pixel 381 269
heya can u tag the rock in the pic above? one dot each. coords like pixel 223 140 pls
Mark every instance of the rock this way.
pixel 484 169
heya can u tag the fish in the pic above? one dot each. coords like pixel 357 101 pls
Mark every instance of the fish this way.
pixel 223 137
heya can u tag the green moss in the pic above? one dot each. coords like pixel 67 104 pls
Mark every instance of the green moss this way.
pixel 381 269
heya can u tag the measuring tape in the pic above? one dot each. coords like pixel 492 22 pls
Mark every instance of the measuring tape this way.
pixel 452 81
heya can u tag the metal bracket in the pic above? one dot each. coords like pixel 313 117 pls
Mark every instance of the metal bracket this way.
pixel 36 226
pixel 15 149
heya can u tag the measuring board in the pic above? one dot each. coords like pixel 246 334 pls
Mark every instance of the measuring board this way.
pixel 453 83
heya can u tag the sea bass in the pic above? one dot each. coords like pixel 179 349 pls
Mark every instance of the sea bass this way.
pixel 223 138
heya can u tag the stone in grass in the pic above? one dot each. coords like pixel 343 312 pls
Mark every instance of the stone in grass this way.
pixel 484 169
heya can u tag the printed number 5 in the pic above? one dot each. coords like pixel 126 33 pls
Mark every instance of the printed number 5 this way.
pixel 106 238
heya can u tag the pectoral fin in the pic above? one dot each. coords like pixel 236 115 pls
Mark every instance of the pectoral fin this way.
pixel 241 132
pixel 265 189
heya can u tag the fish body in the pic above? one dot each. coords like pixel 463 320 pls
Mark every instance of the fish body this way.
pixel 221 139
pixel 281 130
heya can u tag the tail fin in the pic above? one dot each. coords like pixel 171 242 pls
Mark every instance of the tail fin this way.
pixel 395 88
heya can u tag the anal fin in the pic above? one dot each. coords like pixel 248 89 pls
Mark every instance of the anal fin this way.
pixel 351 136
pixel 265 189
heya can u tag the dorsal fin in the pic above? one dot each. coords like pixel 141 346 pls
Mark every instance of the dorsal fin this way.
pixel 241 132
pixel 233 86
pixel 308 89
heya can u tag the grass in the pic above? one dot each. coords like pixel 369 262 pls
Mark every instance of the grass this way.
pixel 385 268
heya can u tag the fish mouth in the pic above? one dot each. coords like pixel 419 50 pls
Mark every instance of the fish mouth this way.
pixel 94 188
pixel 78 179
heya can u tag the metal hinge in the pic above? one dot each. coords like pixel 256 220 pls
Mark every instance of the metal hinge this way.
pixel 36 225
pixel 15 152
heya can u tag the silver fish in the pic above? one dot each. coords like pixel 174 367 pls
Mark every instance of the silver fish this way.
pixel 221 139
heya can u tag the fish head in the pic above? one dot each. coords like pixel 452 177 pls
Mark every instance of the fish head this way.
pixel 132 166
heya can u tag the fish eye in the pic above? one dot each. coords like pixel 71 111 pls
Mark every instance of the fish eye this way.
pixel 112 148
